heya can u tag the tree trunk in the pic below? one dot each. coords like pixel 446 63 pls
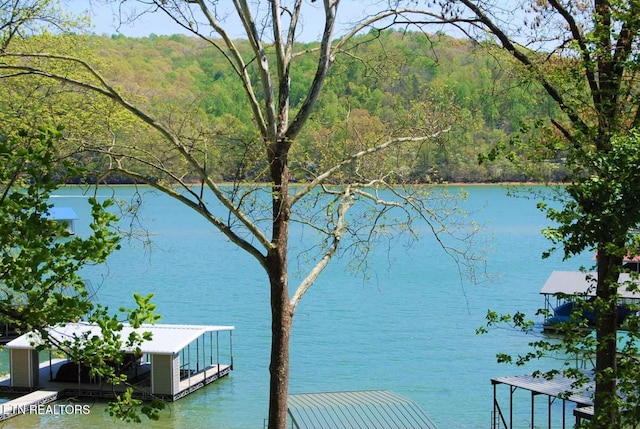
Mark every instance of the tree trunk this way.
pixel 606 409
pixel 281 310
pixel 281 319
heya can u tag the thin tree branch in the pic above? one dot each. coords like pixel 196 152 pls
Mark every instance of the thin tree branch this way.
pixel 336 236
pixel 111 93
pixel 270 124
pixel 200 208
pixel 525 60
pixel 236 62
pixel 324 61
pixel 321 178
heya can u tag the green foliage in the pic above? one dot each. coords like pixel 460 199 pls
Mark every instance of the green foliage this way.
pixel 103 353
pixel 602 201
pixel 571 343
pixel 600 209
pixel 39 262
pixel 590 75
pixel 128 409
pixel 188 85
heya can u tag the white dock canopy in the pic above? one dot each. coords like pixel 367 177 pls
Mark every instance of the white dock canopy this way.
pixel 579 283
pixel 64 215
pixel 176 361
pixel 368 409
pixel 165 340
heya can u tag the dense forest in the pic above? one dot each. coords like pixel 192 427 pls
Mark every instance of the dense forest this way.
pixel 386 83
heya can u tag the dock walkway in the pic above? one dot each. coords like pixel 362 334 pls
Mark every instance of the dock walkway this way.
pixel 35 402
pixel 31 403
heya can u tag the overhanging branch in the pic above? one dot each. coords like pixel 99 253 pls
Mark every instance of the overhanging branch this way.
pixel 345 204
pixel 104 89
pixel 321 178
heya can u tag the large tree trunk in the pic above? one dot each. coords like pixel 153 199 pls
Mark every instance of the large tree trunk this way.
pixel 606 411
pixel 281 310
pixel 281 319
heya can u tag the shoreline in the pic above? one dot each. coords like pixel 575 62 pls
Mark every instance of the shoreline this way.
pixel 295 184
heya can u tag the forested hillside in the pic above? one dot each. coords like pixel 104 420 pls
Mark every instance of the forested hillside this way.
pixel 384 84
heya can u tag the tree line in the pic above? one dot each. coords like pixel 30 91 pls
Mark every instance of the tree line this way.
pixel 390 83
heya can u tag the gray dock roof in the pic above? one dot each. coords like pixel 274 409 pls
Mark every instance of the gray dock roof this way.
pixel 368 409
pixel 558 386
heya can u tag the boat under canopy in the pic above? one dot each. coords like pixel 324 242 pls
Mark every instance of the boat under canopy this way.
pixel 567 285
pixel 176 361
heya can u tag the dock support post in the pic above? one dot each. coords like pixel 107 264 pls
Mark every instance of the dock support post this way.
pixel 231 347
pixel 511 390
pixel 533 423
pixel 495 405
pixel 204 355
pixel 210 348
pixel 498 416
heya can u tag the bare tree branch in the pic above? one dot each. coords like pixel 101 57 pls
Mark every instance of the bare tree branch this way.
pixel 321 178
pixel 105 89
pixel 336 236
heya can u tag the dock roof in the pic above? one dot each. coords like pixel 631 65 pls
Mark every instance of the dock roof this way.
pixel 368 409
pixel 62 213
pixel 558 386
pixel 165 340
pixel 577 282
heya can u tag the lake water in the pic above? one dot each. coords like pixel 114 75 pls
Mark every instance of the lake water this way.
pixel 410 329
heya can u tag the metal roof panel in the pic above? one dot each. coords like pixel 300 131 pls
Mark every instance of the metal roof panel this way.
pixel 166 339
pixel 369 409
pixel 555 387
pixel 62 213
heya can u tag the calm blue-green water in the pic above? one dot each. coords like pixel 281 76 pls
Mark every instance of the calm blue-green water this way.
pixel 410 329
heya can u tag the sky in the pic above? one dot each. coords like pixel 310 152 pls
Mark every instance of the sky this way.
pixel 105 21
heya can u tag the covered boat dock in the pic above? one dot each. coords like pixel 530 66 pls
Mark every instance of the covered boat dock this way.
pixel 563 285
pixel 64 215
pixel 579 401
pixel 177 360
pixel 368 409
